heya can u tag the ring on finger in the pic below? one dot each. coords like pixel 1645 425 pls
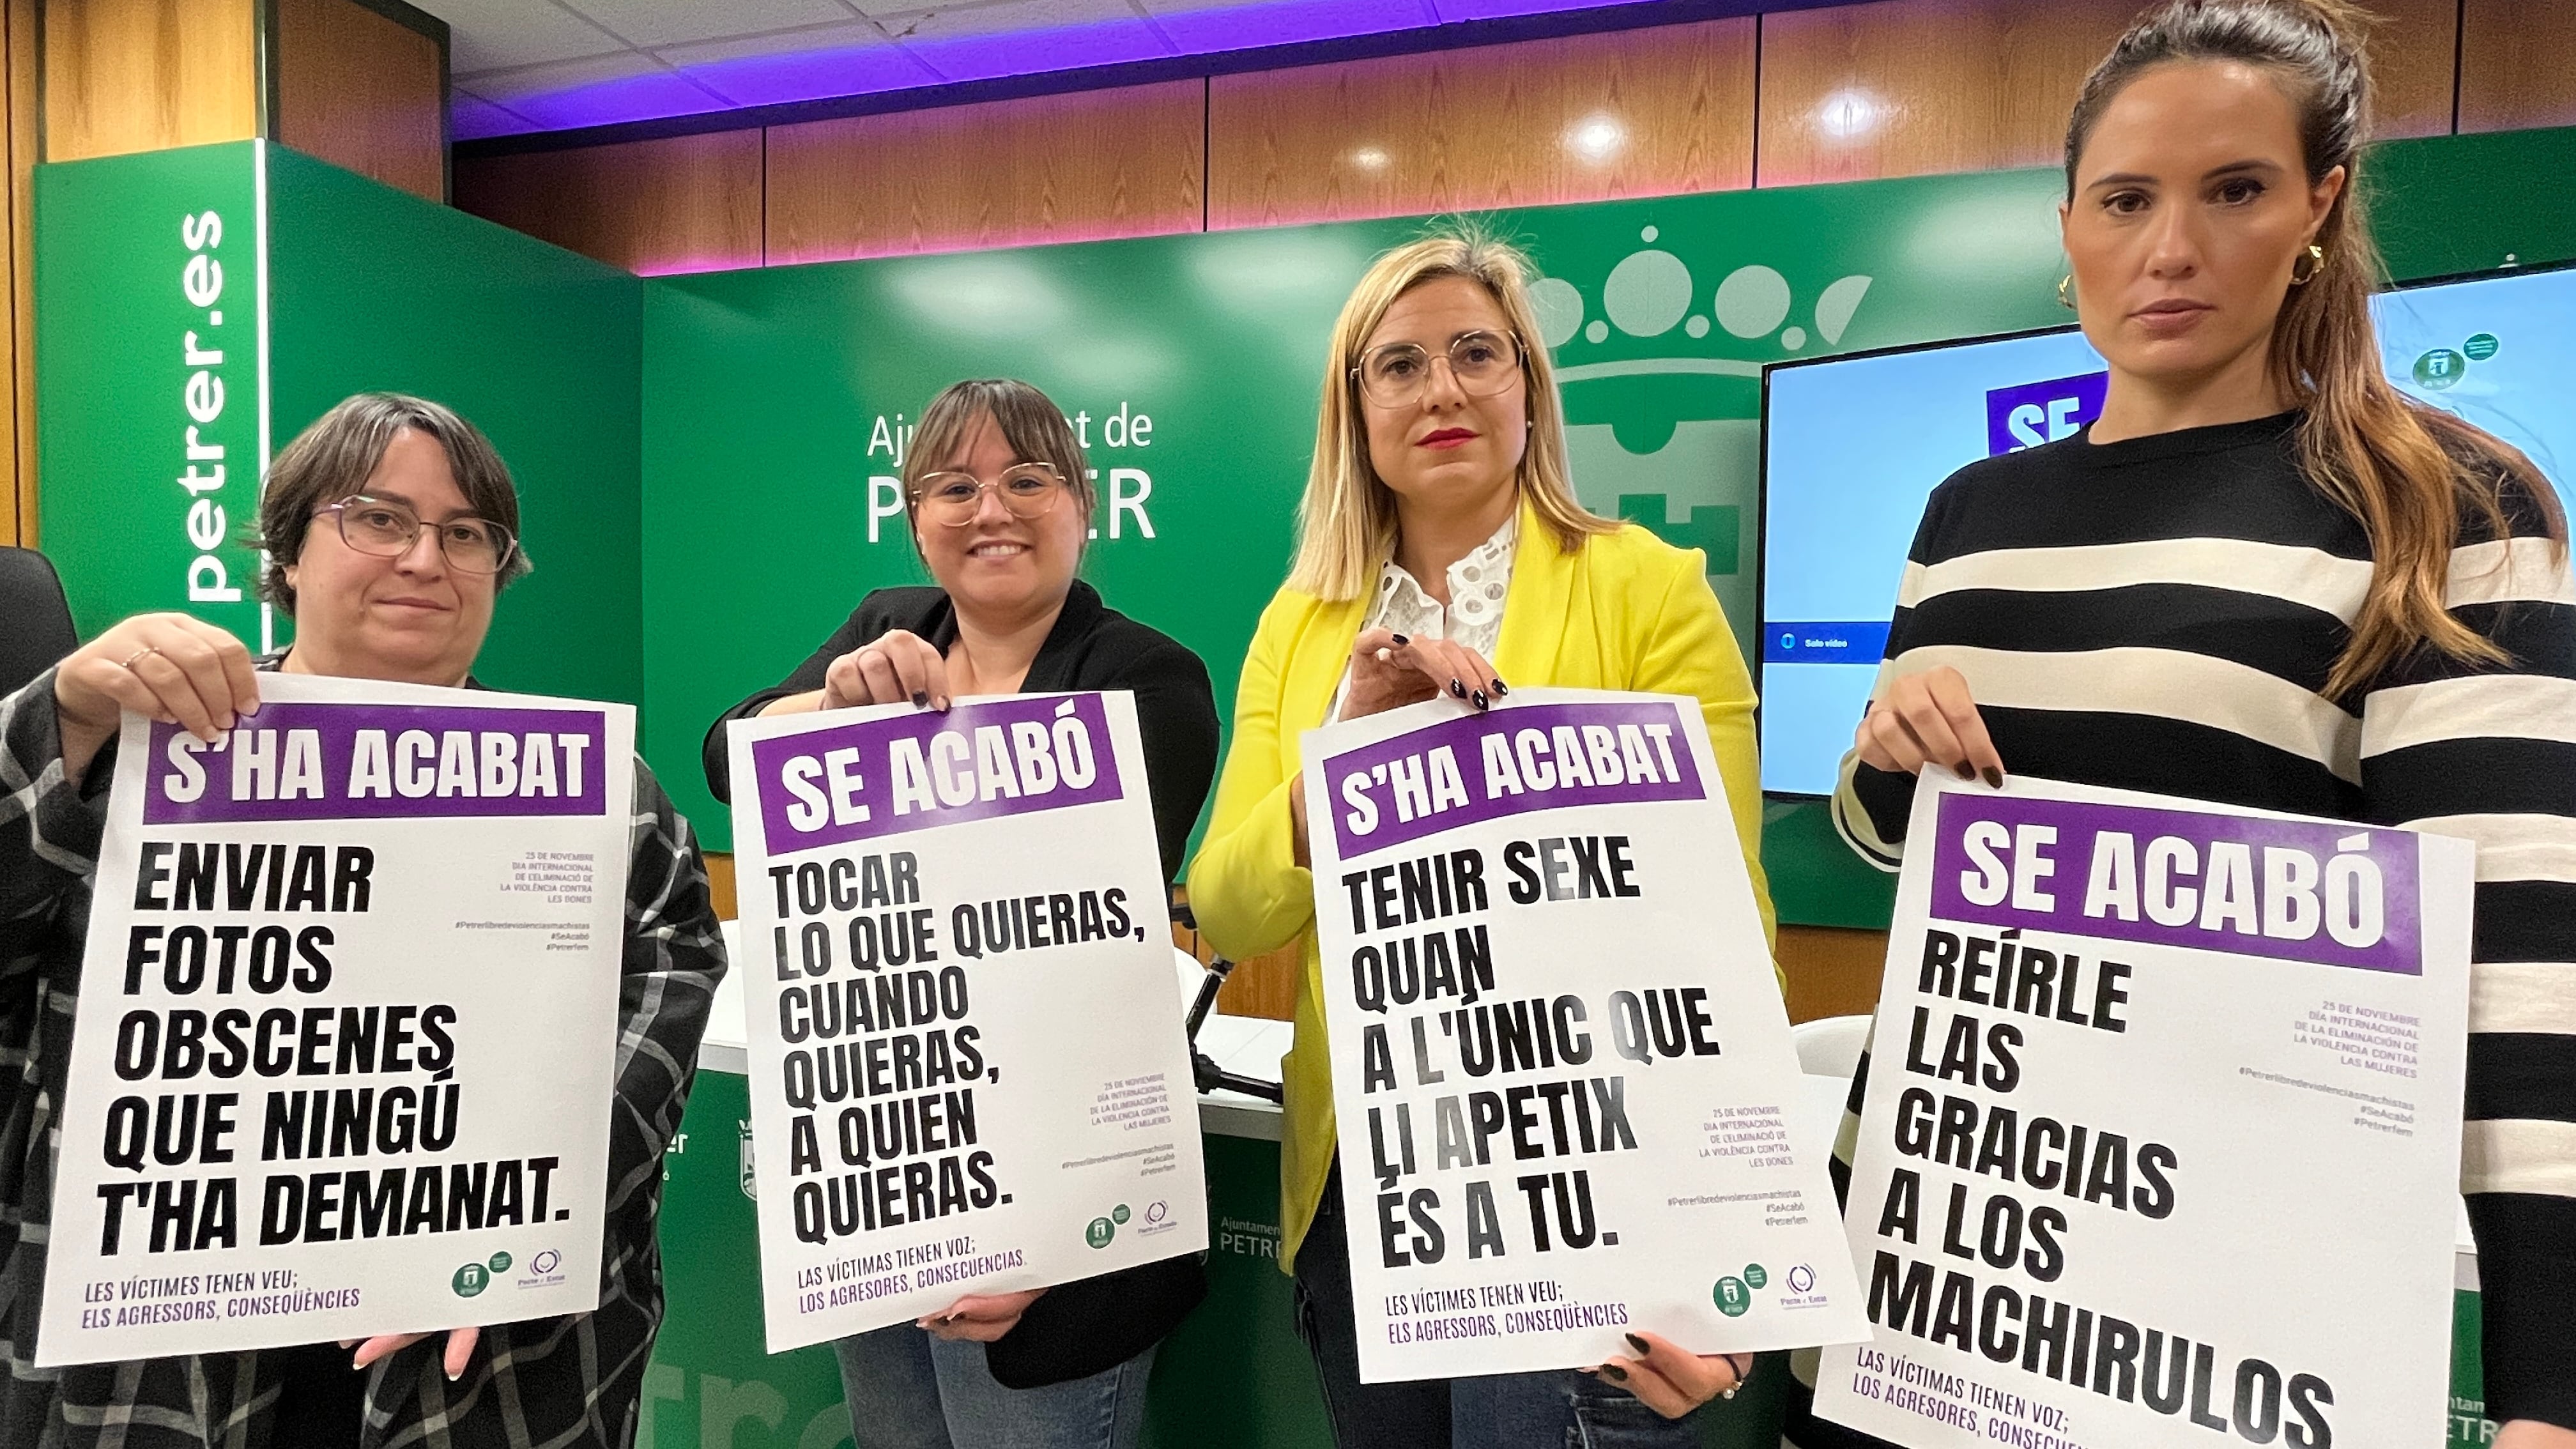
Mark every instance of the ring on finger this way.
pixel 131 659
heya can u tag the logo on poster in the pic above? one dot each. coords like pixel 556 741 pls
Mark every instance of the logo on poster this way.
pixel 544 1270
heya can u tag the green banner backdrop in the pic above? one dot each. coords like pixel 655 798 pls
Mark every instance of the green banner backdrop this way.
pixel 776 400
pixel 196 308
pixel 707 461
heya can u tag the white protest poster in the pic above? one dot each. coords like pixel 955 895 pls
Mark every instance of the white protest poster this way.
pixel 2162 1135
pixel 968 1067
pixel 1567 1097
pixel 342 1059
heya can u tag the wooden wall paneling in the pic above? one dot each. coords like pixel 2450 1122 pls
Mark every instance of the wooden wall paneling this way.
pixel 362 91
pixel 1124 162
pixel 18 33
pixel 1587 118
pixel 679 204
pixel 2517 66
pixel 1831 971
pixel 143 75
pixel 1914 87
pixel 720 888
pixel 2414 60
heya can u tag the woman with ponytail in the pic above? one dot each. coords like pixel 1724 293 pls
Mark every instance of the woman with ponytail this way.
pixel 2264 577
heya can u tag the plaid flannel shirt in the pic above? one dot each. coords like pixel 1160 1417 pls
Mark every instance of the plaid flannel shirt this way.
pixel 545 1384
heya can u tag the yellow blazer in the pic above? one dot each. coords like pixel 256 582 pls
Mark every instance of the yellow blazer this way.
pixel 1625 611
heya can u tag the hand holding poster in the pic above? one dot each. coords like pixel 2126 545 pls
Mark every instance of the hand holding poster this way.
pixel 1561 1064
pixel 341 1064
pixel 968 1073
pixel 2162 1133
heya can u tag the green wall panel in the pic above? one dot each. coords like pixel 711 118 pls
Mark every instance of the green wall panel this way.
pixel 362 287
pixel 139 260
pixel 707 460
pixel 374 289
pixel 772 399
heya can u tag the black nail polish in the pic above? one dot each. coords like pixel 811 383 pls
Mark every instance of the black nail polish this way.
pixel 1400 639
pixel 1501 689
pixel 1995 778
pixel 1638 1344
pixel 1478 697
pixel 1617 1373
pixel 1457 689
pixel 920 698
pixel 1964 770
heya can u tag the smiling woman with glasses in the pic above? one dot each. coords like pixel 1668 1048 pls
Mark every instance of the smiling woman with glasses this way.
pixel 1001 503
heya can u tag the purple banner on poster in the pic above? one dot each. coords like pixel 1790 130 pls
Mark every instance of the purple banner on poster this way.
pixel 2297 890
pixel 977 761
pixel 1505 762
pixel 313 761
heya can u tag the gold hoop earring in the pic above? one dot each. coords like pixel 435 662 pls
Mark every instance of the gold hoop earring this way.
pixel 2316 260
pixel 2065 292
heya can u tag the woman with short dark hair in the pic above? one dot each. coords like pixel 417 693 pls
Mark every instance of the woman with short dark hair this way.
pixel 1000 502
pixel 391 526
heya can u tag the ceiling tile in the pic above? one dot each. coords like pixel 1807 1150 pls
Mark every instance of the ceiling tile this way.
pixel 808 65
pixel 606 103
pixel 677 22
pixel 1021 37
pixel 509 87
pixel 1199 28
pixel 470 117
pixel 1014 52
pixel 600 91
pixel 984 17
pixel 491 34
pixel 1455 10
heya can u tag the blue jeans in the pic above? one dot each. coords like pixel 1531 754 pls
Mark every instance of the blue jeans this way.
pixel 908 1390
pixel 1563 1408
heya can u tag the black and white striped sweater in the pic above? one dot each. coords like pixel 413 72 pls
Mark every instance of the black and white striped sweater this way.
pixel 2161 614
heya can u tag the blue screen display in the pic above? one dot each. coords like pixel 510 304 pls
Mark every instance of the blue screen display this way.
pixel 1853 446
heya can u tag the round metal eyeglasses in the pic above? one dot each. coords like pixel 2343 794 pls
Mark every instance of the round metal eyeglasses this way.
pixel 1028 490
pixel 387 529
pixel 1482 363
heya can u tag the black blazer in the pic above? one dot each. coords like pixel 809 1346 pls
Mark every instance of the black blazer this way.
pixel 1076 1329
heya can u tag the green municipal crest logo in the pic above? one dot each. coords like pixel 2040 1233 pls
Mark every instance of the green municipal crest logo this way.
pixel 1732 1296
pixel 1659 359
pixel 2439 369
pixel 501 1264
pixel 471 1279
pixel 1100 1232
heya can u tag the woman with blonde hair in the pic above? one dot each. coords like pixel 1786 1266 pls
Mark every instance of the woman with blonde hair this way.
pixel 1442 551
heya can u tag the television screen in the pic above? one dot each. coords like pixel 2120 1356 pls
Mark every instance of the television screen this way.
pixel 1853 445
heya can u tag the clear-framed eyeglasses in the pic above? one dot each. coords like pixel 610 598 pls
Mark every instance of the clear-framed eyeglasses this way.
pixel 387 529
pixel 1483 363
pixel 1028 490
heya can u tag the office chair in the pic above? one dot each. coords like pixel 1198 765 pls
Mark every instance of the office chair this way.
pixel 35 619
